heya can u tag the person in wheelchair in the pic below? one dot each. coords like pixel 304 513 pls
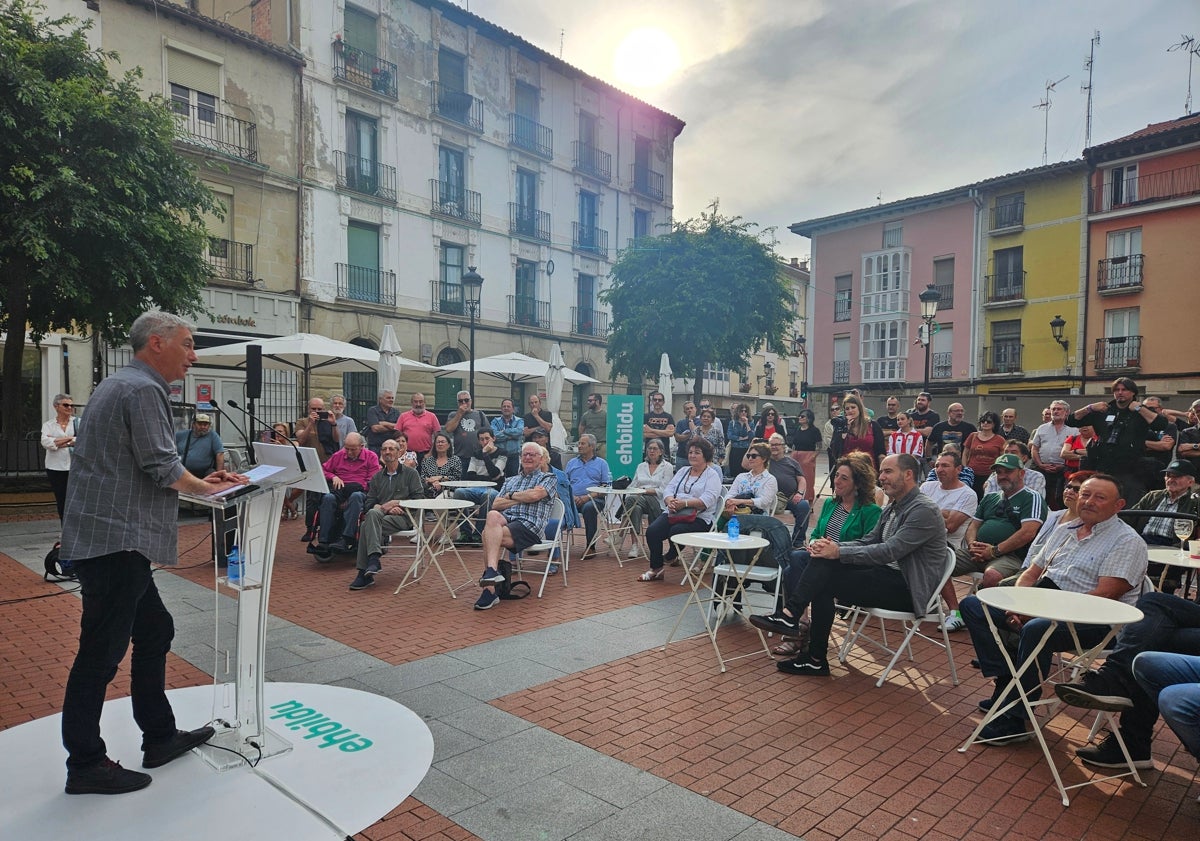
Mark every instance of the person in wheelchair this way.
pixel 348 471
pixel 385 514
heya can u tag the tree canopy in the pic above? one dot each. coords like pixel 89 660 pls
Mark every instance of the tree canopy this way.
pixel 709 292
pixel 100 217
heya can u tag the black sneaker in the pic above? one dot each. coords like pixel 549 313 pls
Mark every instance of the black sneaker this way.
pixel 487 599
pixel 373 565
pixel 1006 730
pixel 1108 754
pixel 776 623
pixel 362 581
pixel 490 576
pixel 106 778
pixel 160 753
pixel 1073 694
pixel 805 664
pixel 341 545
pixel 307 537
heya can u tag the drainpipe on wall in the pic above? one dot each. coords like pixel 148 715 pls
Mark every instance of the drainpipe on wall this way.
pixel 1081 336
pixel 976 264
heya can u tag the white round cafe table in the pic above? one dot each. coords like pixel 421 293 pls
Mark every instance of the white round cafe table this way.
pixel 1172 557
pixel 612 533
pixel 442 507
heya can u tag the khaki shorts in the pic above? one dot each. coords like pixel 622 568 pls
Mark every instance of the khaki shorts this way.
pixel 1006 565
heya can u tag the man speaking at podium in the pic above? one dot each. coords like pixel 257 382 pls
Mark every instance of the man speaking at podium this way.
pixel 122 516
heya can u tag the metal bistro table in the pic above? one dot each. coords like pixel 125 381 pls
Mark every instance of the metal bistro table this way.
pixel 694 578
pixel 442 507
pixel 460 518
pixel 1060 607
pixel 1174 558
pixel 612 532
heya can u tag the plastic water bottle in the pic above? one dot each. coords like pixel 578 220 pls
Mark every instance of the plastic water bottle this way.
pixel 233 572
pixel 734 529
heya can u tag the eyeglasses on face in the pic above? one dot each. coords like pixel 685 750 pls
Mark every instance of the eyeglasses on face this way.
pixel 753 455
pixel 67 405
pixel 464 400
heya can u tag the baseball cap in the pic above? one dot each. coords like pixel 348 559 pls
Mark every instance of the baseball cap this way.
pixel 203 418
pixel 1181 468
pixel 1008 460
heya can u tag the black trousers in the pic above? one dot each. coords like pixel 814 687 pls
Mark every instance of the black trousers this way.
pixel 825 581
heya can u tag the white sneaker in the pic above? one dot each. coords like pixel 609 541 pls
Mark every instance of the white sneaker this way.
pixel 954 622
pixel 633 551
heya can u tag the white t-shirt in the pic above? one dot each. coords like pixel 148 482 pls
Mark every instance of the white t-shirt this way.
pixel 958 499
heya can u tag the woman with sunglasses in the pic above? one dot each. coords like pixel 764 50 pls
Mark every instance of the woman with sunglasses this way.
pixel 753 492
pixel 58 437
pixel 768 424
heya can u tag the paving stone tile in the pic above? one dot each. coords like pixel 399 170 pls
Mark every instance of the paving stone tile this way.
pixel 669 814
pixel 503 679
pixel 514 760
pixel 547 810
pixel 486 722
pixel 609 779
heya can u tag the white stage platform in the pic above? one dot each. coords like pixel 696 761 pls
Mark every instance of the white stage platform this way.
pixel 341 778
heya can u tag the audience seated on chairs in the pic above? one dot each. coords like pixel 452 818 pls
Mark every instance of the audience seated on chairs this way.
pixel 487 465
pixel 440 465
pixel 1095 553
pixel 317 430
pixel 691 500
pixel 517 519
pixel 965 474
pixel 1180 494
pixel 1173 683
pixel 571 518
pixel 754 491
pixel 588 470
pixel 1034 479
pixel 348 471
pixel 958 503
pixel 651 477
pixel 1004 525
pixel 386 492
pixel 792 486
pixel 542 437
pixel 1169 625
pixel 897 566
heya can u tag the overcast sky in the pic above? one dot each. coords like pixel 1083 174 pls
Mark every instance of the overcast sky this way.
pixel 802 108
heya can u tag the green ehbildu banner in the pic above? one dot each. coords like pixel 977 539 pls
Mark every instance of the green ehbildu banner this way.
pixel 624 434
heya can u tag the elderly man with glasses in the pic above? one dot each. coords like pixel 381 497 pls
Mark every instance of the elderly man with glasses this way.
pixel 789 476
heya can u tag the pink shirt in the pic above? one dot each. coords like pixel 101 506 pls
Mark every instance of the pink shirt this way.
pixel 419 429
pixel 359 470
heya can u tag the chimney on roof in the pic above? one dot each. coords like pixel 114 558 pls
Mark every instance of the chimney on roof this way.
pixel 802 265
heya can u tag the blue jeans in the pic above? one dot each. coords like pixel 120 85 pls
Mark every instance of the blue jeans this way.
pixel 120 605
pixel 591 513
pixel 1173 681
pixel 329 508
pixel 991 662
pixel 799 511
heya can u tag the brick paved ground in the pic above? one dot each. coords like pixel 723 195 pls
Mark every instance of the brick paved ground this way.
pixel 820 759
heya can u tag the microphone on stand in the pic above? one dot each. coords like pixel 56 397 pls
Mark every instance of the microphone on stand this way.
pixel 299 457
pixel 242 432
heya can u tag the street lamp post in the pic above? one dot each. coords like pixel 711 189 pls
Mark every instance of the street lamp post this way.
pixel 472 283
pixel 929 305
pixel 1057 325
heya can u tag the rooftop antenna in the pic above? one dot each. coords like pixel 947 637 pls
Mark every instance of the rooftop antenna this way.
pixel 1089 65
pixel 562 34
pixel 1188 43
pixel 1045 105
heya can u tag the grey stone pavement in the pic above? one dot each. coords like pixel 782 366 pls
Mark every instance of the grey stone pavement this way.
pixel 493 773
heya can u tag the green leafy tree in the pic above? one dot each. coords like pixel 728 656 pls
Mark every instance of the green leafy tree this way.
pixel 100 217
pixel 709 292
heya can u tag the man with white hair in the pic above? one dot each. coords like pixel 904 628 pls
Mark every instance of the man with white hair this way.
pixel 1046 447
pixel 348 472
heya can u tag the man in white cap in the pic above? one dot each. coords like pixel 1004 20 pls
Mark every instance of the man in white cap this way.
pixel 200 449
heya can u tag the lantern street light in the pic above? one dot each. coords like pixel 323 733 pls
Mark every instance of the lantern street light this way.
pixel 472 283
pixel 929 305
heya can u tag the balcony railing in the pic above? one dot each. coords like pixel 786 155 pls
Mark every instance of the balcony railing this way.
pixel 363 175
pixel 524 221
pixel 372 286
pixel 456 106
pixel 530 135
pixel 946 290
pixel 1120 274
pixel 647 182
pixel 231 260
pixel 587 321
pixel 590 240
pixel 1008 287
pixel 201 125
pixel 1118 353
pixel 452 201
pixel 591 161
pixel 447 298
pixel 359 67
pixel 1004 357
pixel 841 307
pixel 1156 186
pixel 942 365
pixel 841 372
pixel 528 312
pixel 1011 215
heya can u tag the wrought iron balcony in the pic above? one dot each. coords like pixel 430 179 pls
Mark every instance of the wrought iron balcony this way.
pixel 530 135
pixel 946 290
pixel 363 175
pixel 588 321
pixel 525 311
pixel 1005 288
pixel 231 260
pixel 371 286
pixel 1115 275
pixel 943 367
pixel 1119 353
pixel 1008 216
pixel 1146 189
pixel 360 68
pixel 456 106
pixel 590 240
pixel 203 126
pixel 647 182
pixel 591 162
pixel 841 307
pixel 454 202
pixel 1004 357
pixel 841 371
pixel 447 298
pixel 525 221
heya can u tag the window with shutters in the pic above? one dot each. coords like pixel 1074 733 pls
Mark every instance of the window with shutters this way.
pixel 194 86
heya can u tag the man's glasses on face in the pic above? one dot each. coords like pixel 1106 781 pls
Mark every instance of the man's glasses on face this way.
pixel 464 400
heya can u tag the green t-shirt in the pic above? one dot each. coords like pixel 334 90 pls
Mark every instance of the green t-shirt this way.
pixel 595 422
pixel 1002 518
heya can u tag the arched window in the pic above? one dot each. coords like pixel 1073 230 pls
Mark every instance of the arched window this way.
pixel 446 389
pixel 579 395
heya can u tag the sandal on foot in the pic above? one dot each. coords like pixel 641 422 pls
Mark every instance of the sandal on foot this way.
pixel 790 647
pixel 651 575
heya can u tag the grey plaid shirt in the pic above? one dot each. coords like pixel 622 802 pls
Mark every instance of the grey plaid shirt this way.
pixel 119 498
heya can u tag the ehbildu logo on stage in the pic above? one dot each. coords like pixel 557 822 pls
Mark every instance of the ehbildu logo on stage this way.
pixel 320 726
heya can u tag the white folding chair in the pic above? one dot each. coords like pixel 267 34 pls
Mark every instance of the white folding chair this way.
pixel 748 575
pixel 860 616
pixel 520 561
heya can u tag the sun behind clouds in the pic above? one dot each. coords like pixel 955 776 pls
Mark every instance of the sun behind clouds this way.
pixel 646 58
